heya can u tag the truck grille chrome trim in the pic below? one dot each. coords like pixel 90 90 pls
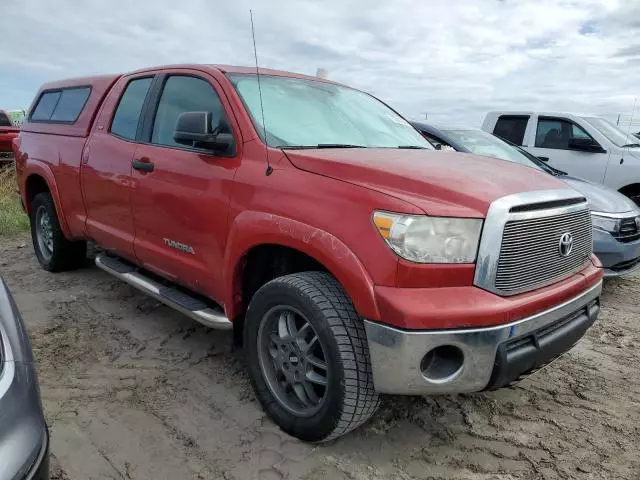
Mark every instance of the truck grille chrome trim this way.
pixel 523 248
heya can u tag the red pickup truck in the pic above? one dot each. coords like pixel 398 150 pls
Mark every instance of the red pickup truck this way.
pixel 349 257
pixel 7 133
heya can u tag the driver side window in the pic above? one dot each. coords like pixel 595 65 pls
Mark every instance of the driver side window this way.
pixel 555 133
pixel 185 94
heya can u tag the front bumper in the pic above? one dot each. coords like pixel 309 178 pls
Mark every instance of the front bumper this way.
pixel 617 258
pixel 474 359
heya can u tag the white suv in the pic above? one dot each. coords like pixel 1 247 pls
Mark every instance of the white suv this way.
pixel 583 146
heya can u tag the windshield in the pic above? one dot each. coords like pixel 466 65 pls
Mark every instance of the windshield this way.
pixel 310 114
pixel 483 143
pixel 615 135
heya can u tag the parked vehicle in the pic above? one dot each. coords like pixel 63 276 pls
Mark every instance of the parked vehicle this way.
pixel 7 133
pixel 615 218
pixel 353 260
pixel 584 146
pixel 24 438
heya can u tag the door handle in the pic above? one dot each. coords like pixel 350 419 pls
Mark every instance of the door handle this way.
pixel 544 159
pixel 144 165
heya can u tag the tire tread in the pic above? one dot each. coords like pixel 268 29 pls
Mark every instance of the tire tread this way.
pixel 360 397
pixel 67 255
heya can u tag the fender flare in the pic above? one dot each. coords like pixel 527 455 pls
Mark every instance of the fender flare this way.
pixel 251 229
pixel 42 169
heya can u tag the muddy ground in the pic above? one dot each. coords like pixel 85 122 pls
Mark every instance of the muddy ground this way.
pixel 132 389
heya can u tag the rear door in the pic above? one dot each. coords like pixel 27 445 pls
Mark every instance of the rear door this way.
pixel 106 165
pixel 180 198
pixel 552 138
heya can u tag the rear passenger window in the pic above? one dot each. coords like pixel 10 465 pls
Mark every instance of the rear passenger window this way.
pixel 70 104
pixel 61 106
pixel 186 94
pixel 127 116
pixel 512 128
pixel 46 105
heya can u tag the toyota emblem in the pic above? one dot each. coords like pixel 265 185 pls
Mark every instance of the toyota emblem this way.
pixel 566 244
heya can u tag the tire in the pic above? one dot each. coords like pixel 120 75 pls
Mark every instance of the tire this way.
pixel 54 252
pixel 348 398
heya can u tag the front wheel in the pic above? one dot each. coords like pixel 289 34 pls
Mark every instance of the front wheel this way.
pixel 308 357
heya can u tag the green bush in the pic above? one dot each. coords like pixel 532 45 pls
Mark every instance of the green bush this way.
pixel 12 217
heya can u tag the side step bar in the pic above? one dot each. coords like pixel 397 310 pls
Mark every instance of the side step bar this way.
pixel 172 297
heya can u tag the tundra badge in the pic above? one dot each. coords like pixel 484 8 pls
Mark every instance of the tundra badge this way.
pixel 179 246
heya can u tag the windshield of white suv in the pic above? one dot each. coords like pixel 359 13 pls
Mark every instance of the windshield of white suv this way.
pixel 615 135
pixel 300 113
pixel 483 143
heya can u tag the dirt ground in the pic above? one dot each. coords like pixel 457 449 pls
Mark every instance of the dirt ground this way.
pixel 132 389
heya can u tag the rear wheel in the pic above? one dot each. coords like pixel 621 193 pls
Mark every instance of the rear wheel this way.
pixel 54 252
pixel 308 357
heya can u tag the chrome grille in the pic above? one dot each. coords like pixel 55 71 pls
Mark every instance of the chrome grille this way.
pixel 530 253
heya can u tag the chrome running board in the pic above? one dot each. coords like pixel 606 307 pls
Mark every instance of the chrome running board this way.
pixel 172 297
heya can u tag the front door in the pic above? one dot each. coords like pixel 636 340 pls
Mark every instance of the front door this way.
pixel 552 139
pixel 106 166
pixel 180 199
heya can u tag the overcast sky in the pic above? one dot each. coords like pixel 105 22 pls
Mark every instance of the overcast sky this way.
pixel 454 59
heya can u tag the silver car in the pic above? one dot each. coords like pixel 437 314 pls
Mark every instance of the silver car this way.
pixel 616 219
pixel 24 438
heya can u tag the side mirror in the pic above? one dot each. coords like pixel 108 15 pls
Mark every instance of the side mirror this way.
pixel 585 145
pixel 194 129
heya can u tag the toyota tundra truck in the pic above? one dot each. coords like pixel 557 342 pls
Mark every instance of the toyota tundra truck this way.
pixel 349 257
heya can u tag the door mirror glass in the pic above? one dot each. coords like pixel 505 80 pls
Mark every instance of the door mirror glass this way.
pixel 194 129
pixel 583 144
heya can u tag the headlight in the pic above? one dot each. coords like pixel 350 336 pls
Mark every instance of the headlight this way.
pixel 423 239
pixel 608 224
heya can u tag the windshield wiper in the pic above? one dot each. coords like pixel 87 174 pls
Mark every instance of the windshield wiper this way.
pixel 631 145
pixel 338 145
pixel 411 147
pixel 321 145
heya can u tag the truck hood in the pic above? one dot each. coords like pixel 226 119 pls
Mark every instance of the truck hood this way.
pixel 439 183
pixel 601 198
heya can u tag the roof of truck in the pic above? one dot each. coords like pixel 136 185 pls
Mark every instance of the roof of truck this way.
pixel 232 69
pixel 539 113
pixel 96 80
pixel 100 85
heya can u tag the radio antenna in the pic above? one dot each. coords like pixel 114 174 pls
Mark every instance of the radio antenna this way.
pixel 269 170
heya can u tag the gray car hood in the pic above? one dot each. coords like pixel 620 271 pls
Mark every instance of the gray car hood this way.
pixel 600 198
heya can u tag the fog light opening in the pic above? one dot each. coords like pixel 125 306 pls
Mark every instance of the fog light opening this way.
pixel 442 364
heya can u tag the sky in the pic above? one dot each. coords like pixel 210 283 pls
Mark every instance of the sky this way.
pixel 452 61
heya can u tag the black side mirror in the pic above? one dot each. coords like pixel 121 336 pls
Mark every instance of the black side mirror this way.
pixel 585 145
pixel 194 129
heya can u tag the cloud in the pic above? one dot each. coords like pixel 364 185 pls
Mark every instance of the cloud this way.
pixel 454 60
